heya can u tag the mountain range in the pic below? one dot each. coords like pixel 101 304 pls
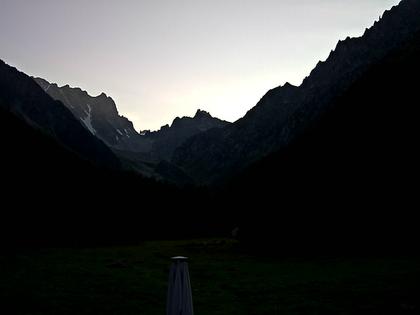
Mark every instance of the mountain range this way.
pixel 328 157
pixel 63 185
pixel 22 97
pixel 287 111
pixel 146 152
pixel 99 115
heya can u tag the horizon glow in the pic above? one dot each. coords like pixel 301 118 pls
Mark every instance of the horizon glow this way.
pixel 159 59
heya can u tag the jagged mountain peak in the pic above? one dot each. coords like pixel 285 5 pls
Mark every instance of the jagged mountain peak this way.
pixel 46 85
pixel 389 31
pixel 288 85
pixel 99 114
pixel 202 114
pixel 104 95
pixel 21 96
pixel 169 137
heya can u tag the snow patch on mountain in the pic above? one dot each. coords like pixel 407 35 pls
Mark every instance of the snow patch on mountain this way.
pixel 88 120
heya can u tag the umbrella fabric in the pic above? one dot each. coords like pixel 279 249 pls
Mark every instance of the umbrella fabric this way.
pixel 179 290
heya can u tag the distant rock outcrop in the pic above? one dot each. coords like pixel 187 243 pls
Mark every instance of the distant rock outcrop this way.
pixel 98 114
pixel 168 138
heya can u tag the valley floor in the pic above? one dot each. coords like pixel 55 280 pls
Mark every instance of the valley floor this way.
pixel 225 280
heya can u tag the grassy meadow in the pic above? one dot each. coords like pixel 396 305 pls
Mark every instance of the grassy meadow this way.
pixel 225 280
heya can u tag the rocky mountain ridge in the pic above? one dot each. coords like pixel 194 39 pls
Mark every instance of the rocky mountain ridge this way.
pixel 287 111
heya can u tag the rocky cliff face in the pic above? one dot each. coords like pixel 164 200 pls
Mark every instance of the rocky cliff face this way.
pixel 22 97
pixel 142 151
pixel 287 111
pixel 168 138
pixel 154 150
pixel 99 115
pixel 348 181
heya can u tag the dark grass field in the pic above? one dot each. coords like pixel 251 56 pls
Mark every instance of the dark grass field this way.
pixel 225 280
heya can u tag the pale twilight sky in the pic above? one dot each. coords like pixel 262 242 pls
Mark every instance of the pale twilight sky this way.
pixel 160 59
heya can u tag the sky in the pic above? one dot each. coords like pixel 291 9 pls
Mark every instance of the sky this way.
pixel 159 59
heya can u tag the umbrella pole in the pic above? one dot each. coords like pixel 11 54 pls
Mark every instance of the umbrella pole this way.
pixel 179 288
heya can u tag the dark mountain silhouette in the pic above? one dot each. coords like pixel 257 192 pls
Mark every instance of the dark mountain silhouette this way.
pixel 146 152
pixel 100 116
pixel 153 150
pixel 286 112
pixel 97 114
pixel 168 138
pixel 51 196
pixel 348 181
pixel 330 166
pixel 21 96
pixel 63 186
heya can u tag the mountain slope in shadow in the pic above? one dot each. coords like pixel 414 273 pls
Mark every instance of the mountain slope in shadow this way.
pixel 97 114
pixel 20 95
pixel 51 196
pixel 286 112
pixel 148 153
pixel 349 182
pixel 63 186
pixel 100 116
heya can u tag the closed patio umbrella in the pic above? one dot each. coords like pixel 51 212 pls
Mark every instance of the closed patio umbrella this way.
pixel 179 289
